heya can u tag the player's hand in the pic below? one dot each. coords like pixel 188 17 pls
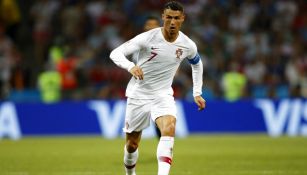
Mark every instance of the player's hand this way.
pixel 137 72
pixel 201 103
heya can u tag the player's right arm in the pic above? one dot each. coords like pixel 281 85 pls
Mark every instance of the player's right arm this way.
pixel 119 55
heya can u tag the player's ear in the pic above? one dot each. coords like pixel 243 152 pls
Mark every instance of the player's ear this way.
pixel 183 17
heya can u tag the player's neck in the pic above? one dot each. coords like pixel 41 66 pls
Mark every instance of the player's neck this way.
pixel 170 37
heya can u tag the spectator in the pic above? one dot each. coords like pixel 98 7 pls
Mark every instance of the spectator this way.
pixel 49 84
pixel 7 61
pixel 266 39
pixel 234 83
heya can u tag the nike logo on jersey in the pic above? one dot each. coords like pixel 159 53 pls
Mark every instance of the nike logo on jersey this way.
pixel 154 48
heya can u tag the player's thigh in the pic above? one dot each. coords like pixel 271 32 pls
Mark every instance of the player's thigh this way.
pixel 164 114
pixel 137 115
pixel 163 106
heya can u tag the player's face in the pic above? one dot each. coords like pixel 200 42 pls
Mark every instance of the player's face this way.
pixel 151 24
pixel 172 21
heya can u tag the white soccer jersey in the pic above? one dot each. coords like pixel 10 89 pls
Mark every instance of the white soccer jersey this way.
pixel 159 61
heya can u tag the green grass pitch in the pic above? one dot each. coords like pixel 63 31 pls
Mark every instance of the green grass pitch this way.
pixel 195 155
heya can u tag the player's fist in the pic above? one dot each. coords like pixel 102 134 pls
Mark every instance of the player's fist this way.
pixel 201 103
pixel 137 72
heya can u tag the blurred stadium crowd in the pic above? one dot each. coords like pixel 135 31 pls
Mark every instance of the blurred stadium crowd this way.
pixel 59 49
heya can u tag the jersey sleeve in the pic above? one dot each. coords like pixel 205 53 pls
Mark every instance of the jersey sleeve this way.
pixel 193 56
pixel 197 70
pixel 119 54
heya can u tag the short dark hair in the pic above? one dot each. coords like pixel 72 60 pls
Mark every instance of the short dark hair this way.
pixel 173 5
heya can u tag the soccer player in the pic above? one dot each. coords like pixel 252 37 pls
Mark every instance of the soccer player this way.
pixel 149 92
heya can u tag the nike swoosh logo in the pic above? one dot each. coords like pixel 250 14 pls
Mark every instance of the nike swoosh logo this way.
pixel 154 48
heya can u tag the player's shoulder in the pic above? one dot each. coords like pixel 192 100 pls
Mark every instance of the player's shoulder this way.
pixel 187 40
pixel 149 34
pixel 154 30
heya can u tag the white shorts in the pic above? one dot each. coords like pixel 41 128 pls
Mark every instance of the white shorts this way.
pixel 139 112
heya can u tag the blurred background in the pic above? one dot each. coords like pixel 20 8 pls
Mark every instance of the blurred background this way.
pixel 55 50
pixel 55 69
pixel 56 79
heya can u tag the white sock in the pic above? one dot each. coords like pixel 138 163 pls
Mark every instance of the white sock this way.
pixel 130 161
pixel 165 154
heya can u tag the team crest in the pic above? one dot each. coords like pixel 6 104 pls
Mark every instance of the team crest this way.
pixel 179 52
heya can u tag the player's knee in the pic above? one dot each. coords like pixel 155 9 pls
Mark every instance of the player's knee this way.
pixel 168 130
pixel 131 146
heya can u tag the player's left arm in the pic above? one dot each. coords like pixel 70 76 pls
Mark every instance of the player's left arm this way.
pixel 197 76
